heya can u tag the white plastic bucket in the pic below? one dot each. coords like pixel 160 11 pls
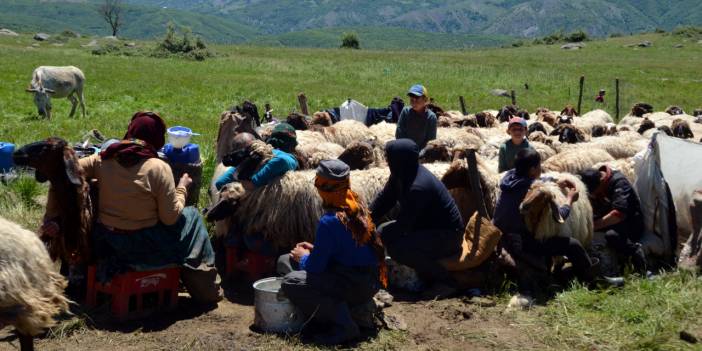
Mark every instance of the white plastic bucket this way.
pixel 274 312
pixel 179 136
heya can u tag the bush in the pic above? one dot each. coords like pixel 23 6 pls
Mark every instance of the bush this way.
pixel 616 35
pixel 577 37
pixel 186 45
pixel 688 31
pixel 518 44
pixel 350 41
pixel 69 34
pixel 659 30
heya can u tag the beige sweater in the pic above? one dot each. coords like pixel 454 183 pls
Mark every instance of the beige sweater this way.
pixel 131 198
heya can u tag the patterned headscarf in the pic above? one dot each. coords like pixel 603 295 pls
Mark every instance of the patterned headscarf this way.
pixel 145 136
pixel 334 187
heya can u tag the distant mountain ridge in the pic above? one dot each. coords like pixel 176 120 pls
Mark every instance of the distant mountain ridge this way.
pixel 520 18
pixel 391 24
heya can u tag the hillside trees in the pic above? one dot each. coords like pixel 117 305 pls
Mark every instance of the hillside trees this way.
pixel 111 12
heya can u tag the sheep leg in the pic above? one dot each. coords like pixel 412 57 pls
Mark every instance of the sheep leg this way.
pixel 26 342
pixel 81 99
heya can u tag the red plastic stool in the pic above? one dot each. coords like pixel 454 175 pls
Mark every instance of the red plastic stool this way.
pixel 163 282
pixel 254 265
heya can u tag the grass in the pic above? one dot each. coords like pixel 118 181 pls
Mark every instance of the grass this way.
pixel 643 315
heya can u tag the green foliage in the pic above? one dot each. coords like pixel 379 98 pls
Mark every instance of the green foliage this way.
pixel 350 41
pixel 576 37
pixel 616 35
pixel 183 44
pixel 659 30
pixel 688 31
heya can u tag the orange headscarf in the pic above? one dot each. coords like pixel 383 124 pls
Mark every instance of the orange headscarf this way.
pixel 354 215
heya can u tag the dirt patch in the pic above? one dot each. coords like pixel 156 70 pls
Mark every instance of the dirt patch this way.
pixel 451 324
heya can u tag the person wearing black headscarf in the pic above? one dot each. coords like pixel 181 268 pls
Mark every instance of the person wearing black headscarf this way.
pixel 429 225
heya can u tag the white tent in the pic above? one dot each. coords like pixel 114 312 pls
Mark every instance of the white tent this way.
pixel 677 163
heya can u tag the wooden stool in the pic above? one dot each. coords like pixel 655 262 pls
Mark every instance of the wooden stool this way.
pixel 163 282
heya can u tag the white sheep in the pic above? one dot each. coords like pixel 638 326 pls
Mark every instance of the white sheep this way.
pixel 540 210
pixel 576 161
pixel 31 291
pixel 383 132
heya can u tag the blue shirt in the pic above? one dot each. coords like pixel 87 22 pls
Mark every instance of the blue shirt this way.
pixel 420 127
pixel 281 163
pixel 333 244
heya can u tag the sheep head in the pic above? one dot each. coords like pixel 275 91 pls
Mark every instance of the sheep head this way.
pixel 569 111
pixel 435 151
pixel 55 161
pixel 641 109
pixel 646 124
pixel 358 155
pixel 536 205
pixel 52 159
pixel 681 129
pixel 485 119
pixel 321 119
pixel 569 134
pixel 674 110
pixel 298 121
pixel 534 127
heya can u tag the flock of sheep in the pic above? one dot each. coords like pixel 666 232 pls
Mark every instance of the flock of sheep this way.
pixel 287 210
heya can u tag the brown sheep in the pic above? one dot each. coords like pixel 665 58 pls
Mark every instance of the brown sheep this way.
pixel 569 111
pixel 674 110
pixel 358 155
pixel 485 120
pixel 55 161
pixel 435 151
pixel 646 124
pixel 568 133
pixel 322 119
pixel 298 121
pixel 546 116
pixel 640 109
pixel 456 180
pixel 681 129
pixel 506 112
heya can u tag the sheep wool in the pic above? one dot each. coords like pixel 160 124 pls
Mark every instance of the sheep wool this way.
pixel 544 150
pixel 539 216
pixel 576 161
pixel 346 132
pixel 383 132
pixel 30 288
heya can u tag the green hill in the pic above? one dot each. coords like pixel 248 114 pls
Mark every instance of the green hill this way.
pixel 526 18
pixel 141 22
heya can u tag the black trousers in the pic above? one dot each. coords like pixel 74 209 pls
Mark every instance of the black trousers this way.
pixel 520 246
pixel 620 241
pixel 320 294
pixel 421 250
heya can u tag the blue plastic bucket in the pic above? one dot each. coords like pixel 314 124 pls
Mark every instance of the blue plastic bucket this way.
pixel 6 150
pixel 189 153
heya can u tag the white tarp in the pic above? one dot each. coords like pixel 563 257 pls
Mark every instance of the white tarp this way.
pixel 352 109
pixel 678 163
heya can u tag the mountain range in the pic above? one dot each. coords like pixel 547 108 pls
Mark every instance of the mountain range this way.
pixel 379 23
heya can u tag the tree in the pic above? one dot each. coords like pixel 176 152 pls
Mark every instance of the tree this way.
pixel 111 12
pixel 350 41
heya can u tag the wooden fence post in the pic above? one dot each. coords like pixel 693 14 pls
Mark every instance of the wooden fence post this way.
pixel 580 95
pixel 616 89
pixel 513 95
pixel 463 105
pixel 302 99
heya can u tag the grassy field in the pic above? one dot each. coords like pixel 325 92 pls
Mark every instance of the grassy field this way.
pixel 644 315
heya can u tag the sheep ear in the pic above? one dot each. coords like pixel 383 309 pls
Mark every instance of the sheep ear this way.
pixel 555 213
pixel 72 171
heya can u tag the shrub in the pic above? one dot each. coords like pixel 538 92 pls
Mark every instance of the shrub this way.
pixel 577 37
pixel 186 45
pixel 659 30
pixel 688 31
pixel 518 44
pixel 350 41
pixel 616 35
pixel 69 34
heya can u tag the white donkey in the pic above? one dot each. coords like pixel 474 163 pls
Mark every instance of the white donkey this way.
pixel 57 82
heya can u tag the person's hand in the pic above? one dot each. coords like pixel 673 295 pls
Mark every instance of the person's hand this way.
pixel 305 245
pixel 298 252
pixel 571 192
pixel 50 229
pixel 185 181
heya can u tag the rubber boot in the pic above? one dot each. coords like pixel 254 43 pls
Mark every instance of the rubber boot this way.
pixel 595 278
pixel 343 330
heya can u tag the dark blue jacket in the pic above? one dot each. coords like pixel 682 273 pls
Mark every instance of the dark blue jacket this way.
pixel 513 190
pixel 333 244
pixel 425 203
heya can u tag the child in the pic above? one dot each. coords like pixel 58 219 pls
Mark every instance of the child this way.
pixel 508 150
pixel 416 121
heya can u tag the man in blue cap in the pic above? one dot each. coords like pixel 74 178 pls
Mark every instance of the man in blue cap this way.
pixel 416 121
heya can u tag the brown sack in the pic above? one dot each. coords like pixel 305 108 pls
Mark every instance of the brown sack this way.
pixel 489 237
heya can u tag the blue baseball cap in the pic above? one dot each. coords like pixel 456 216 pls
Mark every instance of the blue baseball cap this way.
pixel 517 120
pixel 417 90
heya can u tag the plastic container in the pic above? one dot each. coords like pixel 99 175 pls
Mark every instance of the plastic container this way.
pixel 179 136
pixel 187 154
pixel 6 150
pixel 274 312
